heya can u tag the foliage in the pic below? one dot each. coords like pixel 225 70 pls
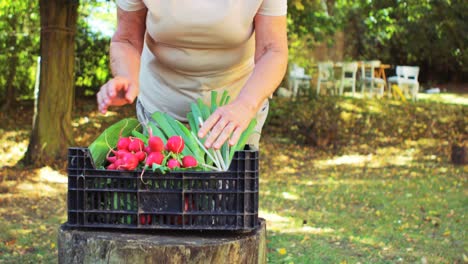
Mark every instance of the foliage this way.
pixel 21 38
pixel 338 122
pixel 92 51
pixel 426 33
pixel 19 42
pixel 430 34
pixel 309 22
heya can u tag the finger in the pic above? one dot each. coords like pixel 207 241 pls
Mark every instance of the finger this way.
pixel 131 94
pixel 101 100
pixel 235 136
pixel 109 89
pixel 208 124
pixel 98 100
pixel 215 132
pixel 224 135
pixel 117 86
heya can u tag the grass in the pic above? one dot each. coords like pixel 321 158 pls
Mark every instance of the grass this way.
pixel 400 205
pixel 402 202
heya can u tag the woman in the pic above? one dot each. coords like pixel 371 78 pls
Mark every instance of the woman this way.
pixel 171 52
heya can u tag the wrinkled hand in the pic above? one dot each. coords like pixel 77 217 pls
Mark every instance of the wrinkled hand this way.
pixel 227 123
pixel 116 92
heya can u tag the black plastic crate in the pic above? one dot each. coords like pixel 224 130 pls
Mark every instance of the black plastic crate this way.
pixel 183 200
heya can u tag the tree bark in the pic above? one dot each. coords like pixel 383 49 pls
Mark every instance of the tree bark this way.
pixel 90 246
pixel 52 130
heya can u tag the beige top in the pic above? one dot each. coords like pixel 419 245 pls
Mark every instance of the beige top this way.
pixel 195 46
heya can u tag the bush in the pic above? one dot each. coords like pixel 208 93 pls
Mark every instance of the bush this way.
pixel 337 122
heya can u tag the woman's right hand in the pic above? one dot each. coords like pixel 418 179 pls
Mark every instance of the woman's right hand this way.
pixel 117 91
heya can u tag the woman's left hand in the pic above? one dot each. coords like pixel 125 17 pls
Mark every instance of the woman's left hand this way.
pixel 227 123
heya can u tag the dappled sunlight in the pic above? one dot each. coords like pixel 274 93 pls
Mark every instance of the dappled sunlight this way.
pixel 287 170
pixel 53 176
pixel 39 189
pixel 385 156
pixel 374 107
pixel 82 121
pixel 350 107
pixel 448 98
pixel 109 114
pixel 12 153
pixel 282 224
pixel 370 161
pixel 309 230
pixel 345 160
pixel 345 182
pixel 43 182
pixel 289 196
pixel 275 222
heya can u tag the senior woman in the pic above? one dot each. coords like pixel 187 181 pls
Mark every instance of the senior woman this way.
pixel 168 53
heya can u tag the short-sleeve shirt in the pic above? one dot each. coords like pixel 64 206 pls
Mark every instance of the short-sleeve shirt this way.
pixel 194 47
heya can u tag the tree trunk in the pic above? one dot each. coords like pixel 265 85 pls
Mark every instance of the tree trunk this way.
pixel 99 246
pixel 52 130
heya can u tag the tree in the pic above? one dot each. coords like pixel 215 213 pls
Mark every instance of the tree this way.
pixel 19 43
pixel 52 130
pixel 310 22
pixel 92 49
pixel 430 34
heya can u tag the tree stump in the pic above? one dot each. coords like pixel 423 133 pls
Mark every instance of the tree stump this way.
pixel 102 246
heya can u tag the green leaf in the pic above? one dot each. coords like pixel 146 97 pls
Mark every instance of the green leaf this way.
pixel 109 137
pixel 140 136
pixel 196 112
pixel 156 131
pixel 243 139
pixel 190 142
pixel 204 109
pixel 227 99
pixel 223 99
pixel 214 98
pixel 163 124
pixel 179 129
pixel 192 123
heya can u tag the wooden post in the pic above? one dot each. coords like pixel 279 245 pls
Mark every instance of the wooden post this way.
pixel 101 246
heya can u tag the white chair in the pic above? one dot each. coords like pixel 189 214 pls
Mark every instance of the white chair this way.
pixel 348 76
pixel 283 92
pixel 325 76
pixel 370 83
pixel 298 79
pixel 407 80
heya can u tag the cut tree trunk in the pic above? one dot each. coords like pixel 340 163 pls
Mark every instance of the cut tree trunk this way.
pixel 91 246
pixel 52 130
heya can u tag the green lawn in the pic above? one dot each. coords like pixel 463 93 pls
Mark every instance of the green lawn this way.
pixel 392 196
pixel 404 204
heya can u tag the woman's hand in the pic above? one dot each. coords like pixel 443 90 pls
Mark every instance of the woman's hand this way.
pixel 227 123
pixel 116 92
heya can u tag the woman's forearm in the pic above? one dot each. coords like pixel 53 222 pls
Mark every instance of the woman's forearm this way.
pixel 271 60
pixel 125 51
pixel 267 75
pixel 125 61
pixel 127 44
